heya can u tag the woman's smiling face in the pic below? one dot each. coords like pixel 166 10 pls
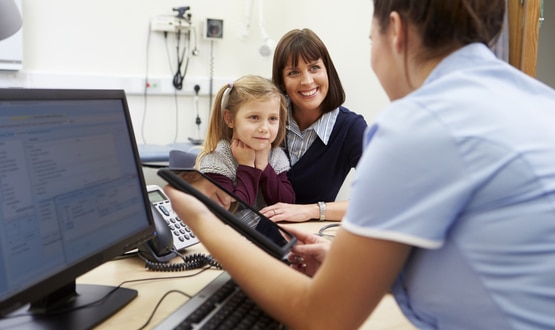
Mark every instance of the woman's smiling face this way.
pixel 306 84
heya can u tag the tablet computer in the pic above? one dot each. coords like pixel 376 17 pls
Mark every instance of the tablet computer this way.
pixel 230 209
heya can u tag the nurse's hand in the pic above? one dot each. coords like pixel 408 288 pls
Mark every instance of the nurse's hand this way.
pixel 309 253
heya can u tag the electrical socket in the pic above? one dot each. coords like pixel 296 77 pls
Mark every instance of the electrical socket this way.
pixel 167 23
pixel 154 85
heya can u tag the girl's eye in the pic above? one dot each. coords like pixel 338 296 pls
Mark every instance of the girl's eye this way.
pixel 274 118
pixel 254 117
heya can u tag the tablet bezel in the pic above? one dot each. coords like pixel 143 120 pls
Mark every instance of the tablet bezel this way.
pixel 266 244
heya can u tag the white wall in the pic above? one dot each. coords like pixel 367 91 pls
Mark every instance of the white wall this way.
pixel 107 44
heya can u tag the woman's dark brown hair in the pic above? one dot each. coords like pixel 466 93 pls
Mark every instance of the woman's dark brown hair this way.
pixel 445 25
pixel 307 45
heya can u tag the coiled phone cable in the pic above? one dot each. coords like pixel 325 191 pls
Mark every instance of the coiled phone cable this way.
pixel 190 262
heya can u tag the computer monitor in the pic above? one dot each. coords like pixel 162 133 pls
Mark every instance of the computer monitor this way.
pixel 72 196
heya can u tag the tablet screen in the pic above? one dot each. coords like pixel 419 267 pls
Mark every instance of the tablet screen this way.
pixel 231 210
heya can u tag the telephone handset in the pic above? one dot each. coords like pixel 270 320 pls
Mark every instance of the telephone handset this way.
pixel 171 233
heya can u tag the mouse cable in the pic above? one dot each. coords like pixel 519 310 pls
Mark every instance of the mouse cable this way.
pixel 160 302
pixel 322 230
pixel 103 299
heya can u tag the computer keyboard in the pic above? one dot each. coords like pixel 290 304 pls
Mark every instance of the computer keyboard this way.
pixel 220 305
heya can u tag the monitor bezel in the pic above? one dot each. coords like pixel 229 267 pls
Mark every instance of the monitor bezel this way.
pixel 72 272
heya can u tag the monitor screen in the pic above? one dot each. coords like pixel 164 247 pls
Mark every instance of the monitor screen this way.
pixel 72 196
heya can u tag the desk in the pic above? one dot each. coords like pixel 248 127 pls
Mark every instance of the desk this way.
pixel 386 316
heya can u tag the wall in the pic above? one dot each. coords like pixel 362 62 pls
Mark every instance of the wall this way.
pixel 107 44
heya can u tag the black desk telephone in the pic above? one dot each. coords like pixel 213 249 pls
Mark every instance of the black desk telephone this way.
pixel 171 236
pixel 168 224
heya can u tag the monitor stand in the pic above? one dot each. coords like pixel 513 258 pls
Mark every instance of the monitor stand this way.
pixel 103 304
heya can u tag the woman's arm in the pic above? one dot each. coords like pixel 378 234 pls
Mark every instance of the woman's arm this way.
pixel 326 301
pixel 304 212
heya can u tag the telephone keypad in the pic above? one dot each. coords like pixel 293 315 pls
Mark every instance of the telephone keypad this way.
pixel 183 236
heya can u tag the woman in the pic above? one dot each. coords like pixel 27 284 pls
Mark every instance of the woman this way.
pixel 324 139
pixel 453 201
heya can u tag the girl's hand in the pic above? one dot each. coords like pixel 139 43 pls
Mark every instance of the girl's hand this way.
pixel 261 158
pixel 242 153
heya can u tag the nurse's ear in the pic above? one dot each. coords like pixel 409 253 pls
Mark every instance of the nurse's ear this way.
pixel 397 31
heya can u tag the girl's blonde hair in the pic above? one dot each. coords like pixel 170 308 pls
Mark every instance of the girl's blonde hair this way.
pixel 231 97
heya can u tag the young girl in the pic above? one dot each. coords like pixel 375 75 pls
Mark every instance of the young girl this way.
pixel 241 150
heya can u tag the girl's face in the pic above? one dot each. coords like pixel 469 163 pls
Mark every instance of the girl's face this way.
pixel 307 84
pixel 256 123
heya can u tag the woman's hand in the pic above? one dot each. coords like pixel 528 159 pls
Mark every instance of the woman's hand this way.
pixel 309 252
pixel 291 212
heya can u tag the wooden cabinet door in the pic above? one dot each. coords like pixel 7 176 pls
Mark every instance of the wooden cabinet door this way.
pixel 524 26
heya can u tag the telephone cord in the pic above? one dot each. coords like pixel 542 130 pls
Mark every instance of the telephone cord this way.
pixel 190 262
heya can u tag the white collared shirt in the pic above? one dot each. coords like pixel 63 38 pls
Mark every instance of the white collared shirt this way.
pixel 298 142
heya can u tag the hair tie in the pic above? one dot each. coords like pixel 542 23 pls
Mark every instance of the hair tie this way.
pixel 225 97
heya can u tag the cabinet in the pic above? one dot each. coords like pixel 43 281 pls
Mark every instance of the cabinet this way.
pixel 524 27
